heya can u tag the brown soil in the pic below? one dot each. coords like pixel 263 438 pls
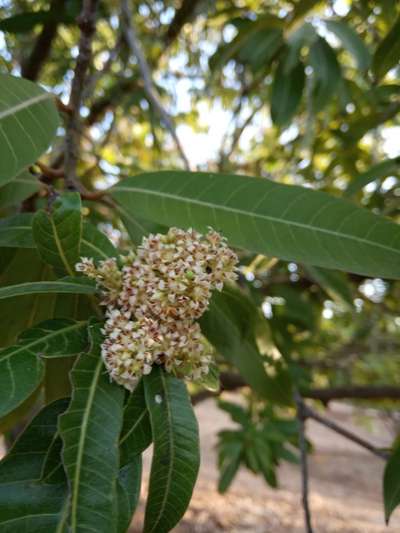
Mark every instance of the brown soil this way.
pixel 345 485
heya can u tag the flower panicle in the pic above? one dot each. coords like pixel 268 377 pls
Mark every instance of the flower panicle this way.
pixel 153 297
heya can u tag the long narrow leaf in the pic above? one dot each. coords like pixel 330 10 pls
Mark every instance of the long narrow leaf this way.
pixel 44 287
pixel 26 502
pixel 25 460
pixel 391 484
pixel 176 451
pixel 90 429
pixel 229 324
pixel 128 492
pixel 288 222
pixel 136 429
pixel 21 366
pixel 387 54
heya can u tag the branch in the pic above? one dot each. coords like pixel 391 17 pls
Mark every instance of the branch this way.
pixel 181 17
pixel 360 392
pixel 149 87
pixel 301 417
pixel 310 413
pixel 33 64
pixel 231 381
pixel 87 23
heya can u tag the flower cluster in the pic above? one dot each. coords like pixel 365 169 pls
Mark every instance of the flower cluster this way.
pixel 153 300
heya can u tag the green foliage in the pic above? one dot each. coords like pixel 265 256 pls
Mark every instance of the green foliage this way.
pixel 230 325
pixel 136 429
pixel 387 54
pixel 286 94
pixel 58 234
pixel 260 443
pixel 90 429
pixel 15 231
pixel 22 366
pixel 28 122
pixel 391 484
pixel 21 187
pixel 330 84
pixel 352 41
pixel 176 456
pixel 327 73
pixel 29 497
pixel 376 172
pixel 291 223
pixel 66 285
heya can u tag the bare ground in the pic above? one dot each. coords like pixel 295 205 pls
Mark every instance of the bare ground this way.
pixel 345 485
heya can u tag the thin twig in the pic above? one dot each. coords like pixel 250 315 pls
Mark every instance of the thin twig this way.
pixel 301 417
pixel 149 87
pixel 310 413
pixel 87 24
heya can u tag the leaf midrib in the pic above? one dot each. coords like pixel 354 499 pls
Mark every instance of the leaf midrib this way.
pixel 59 284
pixel 81 444
pixel 83 240
pixel 60 248
pixel 317 229
pixel 171 454
pixel 22 105
pixel 135 425
pixel 37 341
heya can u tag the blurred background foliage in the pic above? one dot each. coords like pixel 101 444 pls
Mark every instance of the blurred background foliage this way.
pixel 300 92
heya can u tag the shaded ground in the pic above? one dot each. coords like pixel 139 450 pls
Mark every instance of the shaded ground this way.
pixel 345 486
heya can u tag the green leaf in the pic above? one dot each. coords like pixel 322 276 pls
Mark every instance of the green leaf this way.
pixel 138 228
pixel 59 337
pixel 136 429
pixel 30 506
pixel 260 47
pixel 289 222
pixel 18 314
pixel 229 464
pixel 376 172
pixel 387 55
pixel 128 492
pixel 352 41
pixel 95 244
pixel 16 231
pixel 66 286
pixel 239 414
pixel 287 91
pixel 58 234
pixel 21 367
pixel 26 459
pixel 256 43
pixel 327 74
pixel 296 309
pixel 176 457
pixel 21 371
pixel 90 430
pixel 334 283
pixel 20 188
pixel 229 324
pixel 24 22
pixel 28 123
pixel 303 36
pixel 391 484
